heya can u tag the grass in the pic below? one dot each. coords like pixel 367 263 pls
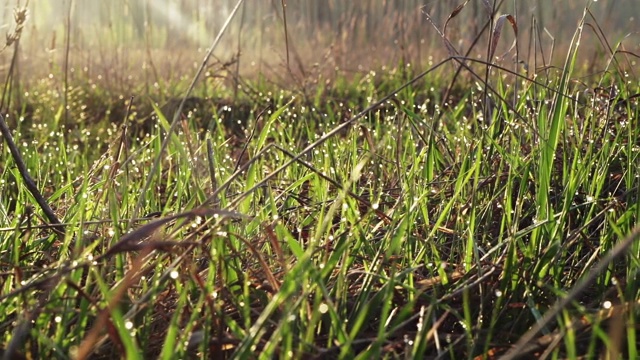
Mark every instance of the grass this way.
pixel 471 213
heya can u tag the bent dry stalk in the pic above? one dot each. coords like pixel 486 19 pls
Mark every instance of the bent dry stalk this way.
pixel 28 180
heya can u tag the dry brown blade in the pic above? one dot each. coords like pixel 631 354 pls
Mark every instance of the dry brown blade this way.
pixel 132 241
pixel 81 292
pixel 617 326
pixel 87 345
pixel 495 37
pixel 497 32
pixel 434 328
pixel 450 48
pixel 275 284
pixel 212 166
pixel 429 283
pixel 112 334
pixel 514 26
pixel 453 14
pixel 273 240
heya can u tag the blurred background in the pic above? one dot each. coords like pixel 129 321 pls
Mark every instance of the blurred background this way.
pixel 155 38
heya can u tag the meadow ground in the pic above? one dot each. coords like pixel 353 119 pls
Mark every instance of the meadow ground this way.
pixel 472 210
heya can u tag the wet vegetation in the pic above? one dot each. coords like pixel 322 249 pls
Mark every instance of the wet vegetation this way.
pixel 479 206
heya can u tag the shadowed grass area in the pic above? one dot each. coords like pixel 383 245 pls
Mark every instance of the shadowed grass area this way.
pixel 467 211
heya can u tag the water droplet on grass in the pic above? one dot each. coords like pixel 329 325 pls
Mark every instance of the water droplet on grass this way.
pixel 323 308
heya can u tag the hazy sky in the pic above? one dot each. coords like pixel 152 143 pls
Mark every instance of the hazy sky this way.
pixel 314 26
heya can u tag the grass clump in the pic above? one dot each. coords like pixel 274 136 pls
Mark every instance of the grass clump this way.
pixel 479 218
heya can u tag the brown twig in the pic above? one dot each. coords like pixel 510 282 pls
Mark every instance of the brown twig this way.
pixel 28 180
